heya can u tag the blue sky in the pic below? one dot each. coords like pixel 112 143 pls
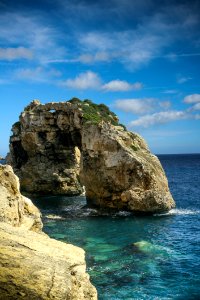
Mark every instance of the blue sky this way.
pixel 140 57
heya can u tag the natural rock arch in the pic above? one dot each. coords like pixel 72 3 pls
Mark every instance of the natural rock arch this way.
pixel 58 148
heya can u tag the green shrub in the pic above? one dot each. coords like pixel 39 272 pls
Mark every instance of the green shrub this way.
pixel 75 100
pixel 135 148
pixel 95 113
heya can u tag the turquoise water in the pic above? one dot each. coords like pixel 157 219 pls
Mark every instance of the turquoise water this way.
pixel 135 257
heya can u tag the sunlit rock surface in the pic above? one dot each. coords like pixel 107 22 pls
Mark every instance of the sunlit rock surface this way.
pixel 57 148
pixel 15 209
pixel 33 266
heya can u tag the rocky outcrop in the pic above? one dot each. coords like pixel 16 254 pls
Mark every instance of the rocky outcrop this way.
pixel 120 172
pixel 45 147
pixel 33 266
pixel 15 209
pixel 59 147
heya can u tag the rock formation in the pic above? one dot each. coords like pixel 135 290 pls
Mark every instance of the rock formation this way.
pixel 33 266
pixel 59 147
pixel 16 209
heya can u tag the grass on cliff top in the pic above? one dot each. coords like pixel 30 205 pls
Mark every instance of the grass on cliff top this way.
pixel 95 113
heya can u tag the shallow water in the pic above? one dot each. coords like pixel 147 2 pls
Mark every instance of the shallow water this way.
pixel 137 257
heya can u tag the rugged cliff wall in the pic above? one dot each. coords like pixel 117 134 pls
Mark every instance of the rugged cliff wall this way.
pixel 59 147
pixel 33 266
pixel 45 147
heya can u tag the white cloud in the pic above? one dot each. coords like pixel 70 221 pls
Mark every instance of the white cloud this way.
pixel 159 118
pixel 33 34
pixel 195 107
pixel 137 46
pixel 190 99
pixel 121 85
pixel 87 80
pixel 181 80
pixel 136 106
pixel 133 48
pixel 141 106
pixel 15 53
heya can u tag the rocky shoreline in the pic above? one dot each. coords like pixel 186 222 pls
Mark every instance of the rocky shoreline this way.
pixel 34 266
pixel 68 148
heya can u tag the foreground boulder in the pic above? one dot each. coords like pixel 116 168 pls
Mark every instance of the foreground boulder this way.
pixel 33 266
pixel 60 147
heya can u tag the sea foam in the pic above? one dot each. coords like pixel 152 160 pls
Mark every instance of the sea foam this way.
pixel 179 211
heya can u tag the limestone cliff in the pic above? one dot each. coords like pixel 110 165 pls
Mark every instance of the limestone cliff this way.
pixel 16 209
pixel 33 266
pixel 120 172
pixel 59 147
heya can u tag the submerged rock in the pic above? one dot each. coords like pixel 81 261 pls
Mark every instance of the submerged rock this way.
pixel 33 266
pixel 58 148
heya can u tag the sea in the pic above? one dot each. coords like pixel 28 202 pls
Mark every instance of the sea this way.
pixel 137 257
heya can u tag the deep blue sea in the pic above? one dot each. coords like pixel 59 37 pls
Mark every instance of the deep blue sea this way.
pixel 137 257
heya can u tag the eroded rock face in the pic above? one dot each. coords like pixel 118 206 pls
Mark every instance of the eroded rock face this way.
pixel 119 171
pixel 15 209
pixel 58 148
pixel 44 149
pixel 33 266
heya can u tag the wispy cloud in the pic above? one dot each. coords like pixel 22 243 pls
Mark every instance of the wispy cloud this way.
pixel 170 92
pixel 38 74
pixel 136 106
pixel 159 118
pixel 140 106
pixel 137 46
pixel 193 98
pixel 15 53
pixel 87 80
pixel 132 48
pixel 167 116
pixel 195 107
pixel 31 35
pixel 182 79
pixel 137 40
pixel 121 85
